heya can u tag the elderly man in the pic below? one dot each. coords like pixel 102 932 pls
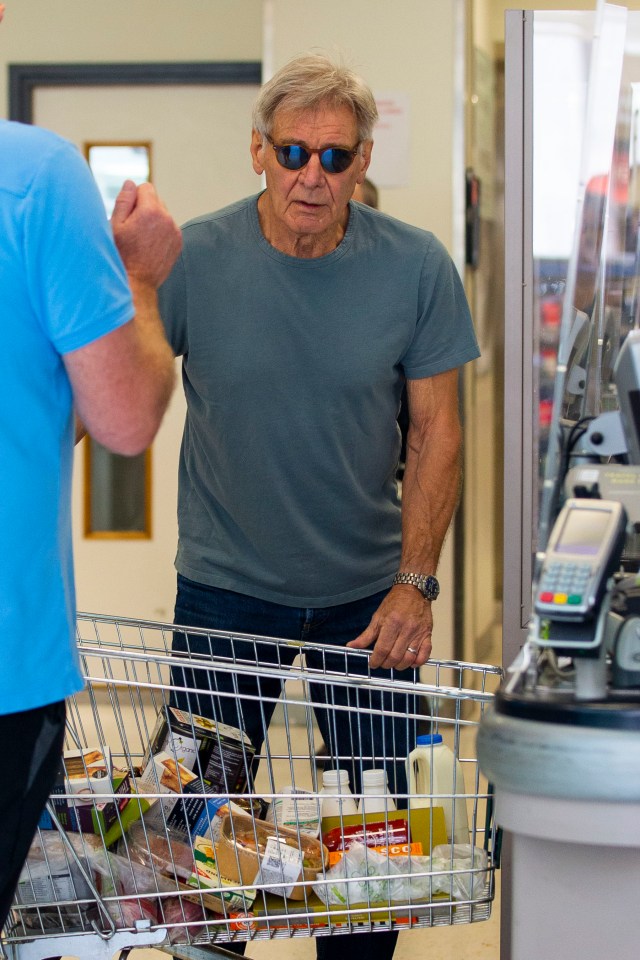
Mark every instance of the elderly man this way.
pixel 299 314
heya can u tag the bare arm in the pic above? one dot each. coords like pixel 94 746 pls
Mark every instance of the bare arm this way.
pixel 430 492
pixel 122 382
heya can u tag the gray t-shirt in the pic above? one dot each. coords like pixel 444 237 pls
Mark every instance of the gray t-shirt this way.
pixel 293 371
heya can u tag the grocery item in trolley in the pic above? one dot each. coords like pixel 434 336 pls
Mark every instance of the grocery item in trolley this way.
pixel 74 799
pixel 88 770
pixel 209 823
pixel 436 779
pixel 217 752
pixel 372 834
pixel 363 875
pixel 250 851
pixel 166 777
pixel 51 882
pixel 192 865
pixel 297 810
pixel 425 826
pixel 375 792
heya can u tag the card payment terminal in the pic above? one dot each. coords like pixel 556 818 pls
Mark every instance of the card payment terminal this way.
pixel 583 551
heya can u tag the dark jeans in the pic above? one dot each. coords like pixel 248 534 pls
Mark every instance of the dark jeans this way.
pixel 362 728
pixel 32 747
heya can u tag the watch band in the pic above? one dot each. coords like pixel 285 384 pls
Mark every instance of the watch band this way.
pixel 426 583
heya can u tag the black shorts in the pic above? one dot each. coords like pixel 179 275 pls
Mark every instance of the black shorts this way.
pixel 32 747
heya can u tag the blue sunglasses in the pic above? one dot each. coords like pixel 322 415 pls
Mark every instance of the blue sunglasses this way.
pixel 292 156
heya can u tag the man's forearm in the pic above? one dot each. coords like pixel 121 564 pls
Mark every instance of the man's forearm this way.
pixel 430 495
pixel 158 355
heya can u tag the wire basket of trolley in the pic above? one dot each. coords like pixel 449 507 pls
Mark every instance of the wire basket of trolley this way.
pixel 267 790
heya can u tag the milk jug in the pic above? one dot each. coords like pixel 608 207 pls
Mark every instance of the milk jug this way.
pixel 435 778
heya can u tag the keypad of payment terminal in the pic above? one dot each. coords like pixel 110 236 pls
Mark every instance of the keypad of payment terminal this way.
pixel 584 550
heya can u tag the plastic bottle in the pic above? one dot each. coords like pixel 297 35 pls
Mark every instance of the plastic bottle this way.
pixel 435 777
pixel 375 792
pixel 336 799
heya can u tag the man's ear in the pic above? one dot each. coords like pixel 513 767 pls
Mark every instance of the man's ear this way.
pixel 257 151
pixel 365 160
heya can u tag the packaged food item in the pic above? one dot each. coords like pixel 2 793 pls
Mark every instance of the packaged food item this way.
pixel 85 813
pixel 296 809
pixel 134 886
pixel 257 852
pixel 193 866
pixel 387 850
pixel 166 777
pixel 50 873
pixel 221 755
pixel 426 825
pixel 87 771
pixel 374 834
pixel 168 852
pixel 183 918
pixel 211 818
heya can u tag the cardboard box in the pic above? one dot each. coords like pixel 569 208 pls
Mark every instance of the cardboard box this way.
pixel 87 771
pixel 134 808
pixel 221 755
pixel 280 856
pixel 166 777
pixel 88 814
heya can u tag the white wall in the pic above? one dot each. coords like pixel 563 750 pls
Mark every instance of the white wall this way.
pixel 40 31
pixel 405 47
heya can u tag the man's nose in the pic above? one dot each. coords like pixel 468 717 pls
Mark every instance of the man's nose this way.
pixel 312 173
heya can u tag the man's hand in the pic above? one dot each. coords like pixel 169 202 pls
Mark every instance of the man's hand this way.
pixel 400 630
pixel 146 235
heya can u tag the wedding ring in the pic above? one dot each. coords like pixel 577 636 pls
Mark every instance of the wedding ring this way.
pixel 411 650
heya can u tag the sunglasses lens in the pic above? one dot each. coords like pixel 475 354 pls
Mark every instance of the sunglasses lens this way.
pixel 292 157
pixel 336 160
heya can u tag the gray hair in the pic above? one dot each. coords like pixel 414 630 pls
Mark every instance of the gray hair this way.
pixel 309 81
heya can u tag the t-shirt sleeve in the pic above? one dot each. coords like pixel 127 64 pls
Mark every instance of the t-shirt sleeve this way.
pixel 77 281
pixel 444 337
pixel 172 302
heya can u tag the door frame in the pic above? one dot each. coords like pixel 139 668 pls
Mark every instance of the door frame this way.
pixel 24 78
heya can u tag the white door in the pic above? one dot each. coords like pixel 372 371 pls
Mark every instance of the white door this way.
pixel 200 162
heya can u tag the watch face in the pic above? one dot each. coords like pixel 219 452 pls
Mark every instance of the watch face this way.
pixel 431 588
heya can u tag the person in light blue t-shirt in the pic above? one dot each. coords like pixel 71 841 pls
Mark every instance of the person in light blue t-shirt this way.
pixel 299 314
pixel 73 337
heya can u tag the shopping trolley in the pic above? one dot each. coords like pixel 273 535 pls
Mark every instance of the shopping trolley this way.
pixel 188 811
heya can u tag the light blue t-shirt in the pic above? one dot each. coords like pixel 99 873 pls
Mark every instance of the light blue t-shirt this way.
pixel 62 285
pixel 293 371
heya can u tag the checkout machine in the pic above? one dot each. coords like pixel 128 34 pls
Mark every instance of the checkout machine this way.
pixel 561 744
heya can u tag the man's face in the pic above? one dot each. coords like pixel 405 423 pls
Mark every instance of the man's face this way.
pixel 309 201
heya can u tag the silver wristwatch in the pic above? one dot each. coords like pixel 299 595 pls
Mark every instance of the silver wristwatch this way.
pixel 426 584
